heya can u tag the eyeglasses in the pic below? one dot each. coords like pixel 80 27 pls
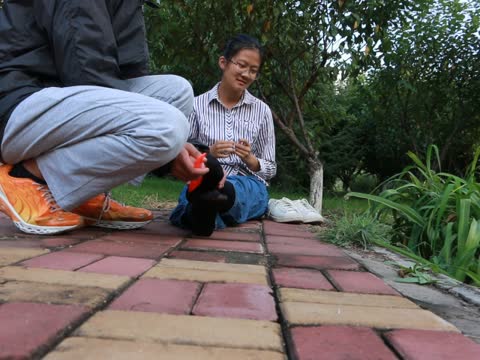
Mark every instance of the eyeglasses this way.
pixel 242 68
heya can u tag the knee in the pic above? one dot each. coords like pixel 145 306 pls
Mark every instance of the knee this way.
pixel 169 137
pixel 183 98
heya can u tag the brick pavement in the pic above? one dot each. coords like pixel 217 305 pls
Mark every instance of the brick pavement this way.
pixel 259 291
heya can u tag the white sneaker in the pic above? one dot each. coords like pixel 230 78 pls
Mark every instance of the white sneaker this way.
pixel 309 213
pixel 283 211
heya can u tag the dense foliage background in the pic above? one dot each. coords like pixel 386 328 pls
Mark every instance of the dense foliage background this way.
pixel 354 85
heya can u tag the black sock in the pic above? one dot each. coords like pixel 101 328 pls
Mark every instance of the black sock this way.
pixel 206 200
pixel 229 191
pixel 19 171
pixel 210 180
pixel 203 218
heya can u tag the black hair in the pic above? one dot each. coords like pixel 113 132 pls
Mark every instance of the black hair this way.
pixel 240 42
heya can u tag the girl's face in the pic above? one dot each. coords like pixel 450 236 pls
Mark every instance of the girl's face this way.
pixel 241 70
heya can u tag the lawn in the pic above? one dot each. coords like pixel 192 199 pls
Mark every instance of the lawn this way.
pixel 158 193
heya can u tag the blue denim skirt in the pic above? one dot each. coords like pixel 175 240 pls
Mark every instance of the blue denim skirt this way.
pixel 251 202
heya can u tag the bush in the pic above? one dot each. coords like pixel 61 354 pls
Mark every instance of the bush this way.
pixel 358 230
pixel 436 214
pixel 364 183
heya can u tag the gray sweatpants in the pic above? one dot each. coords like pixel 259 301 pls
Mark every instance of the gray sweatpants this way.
pixel 89 139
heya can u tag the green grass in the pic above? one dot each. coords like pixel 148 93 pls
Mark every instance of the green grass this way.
pixel 160 192
pixel 153 193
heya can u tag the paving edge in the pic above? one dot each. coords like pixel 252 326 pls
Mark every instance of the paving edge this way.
pixel 466 292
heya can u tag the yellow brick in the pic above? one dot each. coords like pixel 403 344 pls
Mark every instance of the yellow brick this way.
pixel 301 313
pixel 13 291
pixel 212 266
pixel 62 277
pixel 183 330
pixel 206 276
pixel 9 256
pixel 343 298
pixel 204 271
pixel 88 348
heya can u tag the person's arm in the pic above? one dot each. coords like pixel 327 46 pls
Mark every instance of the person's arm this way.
pixel 129 28
pixel 194 133
pixel 263 149
pixel 82 41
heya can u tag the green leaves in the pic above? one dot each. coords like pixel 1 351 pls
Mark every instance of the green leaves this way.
pixel 435 213
pixel 415 274
pixel 358 230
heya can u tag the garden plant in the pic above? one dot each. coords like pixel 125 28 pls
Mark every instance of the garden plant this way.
pixel 435 215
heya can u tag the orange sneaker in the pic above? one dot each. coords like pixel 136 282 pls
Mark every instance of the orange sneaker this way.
pixel 32 207
pixel 103 211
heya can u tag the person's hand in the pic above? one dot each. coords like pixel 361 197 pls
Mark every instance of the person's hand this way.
pixel 243 149
pixel 222 149
pixel 182 166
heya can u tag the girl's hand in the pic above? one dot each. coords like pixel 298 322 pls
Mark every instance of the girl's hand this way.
pixel 222 149
pixel 244 151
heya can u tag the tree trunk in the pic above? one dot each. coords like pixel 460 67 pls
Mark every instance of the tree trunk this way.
pixel 316 184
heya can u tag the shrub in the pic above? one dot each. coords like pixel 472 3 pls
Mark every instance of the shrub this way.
pixel 436 215
pixel 364 183
pixel 358 230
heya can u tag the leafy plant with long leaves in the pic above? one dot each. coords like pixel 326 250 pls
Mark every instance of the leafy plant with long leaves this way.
pixel 435 214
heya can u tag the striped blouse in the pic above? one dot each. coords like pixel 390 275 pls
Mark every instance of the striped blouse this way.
pixel 250 119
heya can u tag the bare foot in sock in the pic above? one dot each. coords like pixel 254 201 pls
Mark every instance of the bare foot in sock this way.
pixel 207 200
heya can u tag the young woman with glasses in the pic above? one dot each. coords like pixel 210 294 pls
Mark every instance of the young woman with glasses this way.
pixel 237 131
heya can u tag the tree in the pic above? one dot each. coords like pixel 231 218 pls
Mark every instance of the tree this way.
pixel 345 146
pixel 305 42
pixel 427 90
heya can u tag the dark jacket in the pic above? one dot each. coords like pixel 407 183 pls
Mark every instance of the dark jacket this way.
pixel 61 43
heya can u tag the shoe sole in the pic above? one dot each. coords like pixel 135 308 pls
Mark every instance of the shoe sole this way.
pixel 116 225
pixel 43 230
pixel 316 221
pixel 283 220
pixel 29 228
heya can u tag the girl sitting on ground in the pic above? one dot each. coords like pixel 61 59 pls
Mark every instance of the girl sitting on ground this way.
pixel 237 129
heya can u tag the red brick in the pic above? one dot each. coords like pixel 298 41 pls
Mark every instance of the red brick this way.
pixel 116 265
pixel 301 278
pixel 87 233
pixel 291 230
pixel 275 239
pixel 433 345
pixel 56 242
pixel 62 260
pixel 138 236
pixel 338 343
pixel 131 248
pixel 231 235
pixel 162 228
pixel 29 327
pixel 241 246
pixel 317 262
pixel 249 225
pixel 162 296
pixel 311 250
pixel 360 282
pixel 246 301
pixel 7 228
pixel 198 256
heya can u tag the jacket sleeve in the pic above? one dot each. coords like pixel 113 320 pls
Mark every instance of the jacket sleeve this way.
pixel 82 39
pixel 129 28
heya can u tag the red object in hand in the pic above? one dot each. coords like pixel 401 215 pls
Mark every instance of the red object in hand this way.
pixel 197 164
